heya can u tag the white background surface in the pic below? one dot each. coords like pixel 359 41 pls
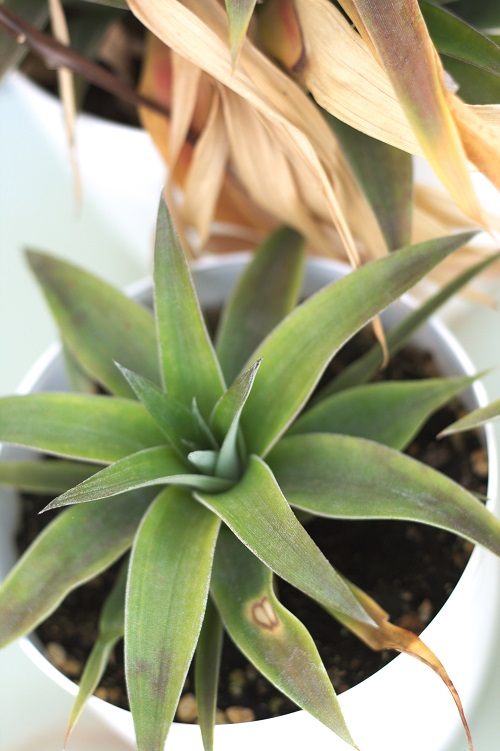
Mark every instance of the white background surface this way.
pixel 111 235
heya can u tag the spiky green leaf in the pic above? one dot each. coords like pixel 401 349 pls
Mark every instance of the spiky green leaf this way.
pixel 390 412
pixel 44 477
pixel 474 419
pixel 458 39
pixel 166 596
pixel 175 420
pixel 206 672
pixel 347 477
pixel 225 422
pixel 239 13
pixel 94 428
pixel 273 639
pixel 366 366
pixel 257 512
pixel 155 466
pixel 266 292
pixel 295 355
pixel 98 323
pixel 111 628
pixel 79 543
pixel 190 367
pixel 385 175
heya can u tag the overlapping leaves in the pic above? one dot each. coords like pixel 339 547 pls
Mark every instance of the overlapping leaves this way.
pixel 203 444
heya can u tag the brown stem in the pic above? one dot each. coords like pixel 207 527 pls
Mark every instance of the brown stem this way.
pixel 55 55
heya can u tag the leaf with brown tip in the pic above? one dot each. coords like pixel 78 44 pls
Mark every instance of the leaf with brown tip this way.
pixel 402 43
pixel 388 636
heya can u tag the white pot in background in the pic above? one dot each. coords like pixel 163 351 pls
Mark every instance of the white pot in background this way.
pixel 402 707
pixel 110 230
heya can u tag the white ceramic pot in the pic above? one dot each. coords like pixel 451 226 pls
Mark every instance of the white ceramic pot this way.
pixel 404 705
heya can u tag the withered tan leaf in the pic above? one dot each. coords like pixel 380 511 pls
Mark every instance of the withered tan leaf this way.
pixel 405 50
pixel 185 87
pixel 67 90
pixel 386 635
pixel 198 30
pixel 205 175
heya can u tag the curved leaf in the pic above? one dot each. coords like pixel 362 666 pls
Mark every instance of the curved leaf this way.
pixel 295 355
pixel 94 428
pixel 166 597
pixel 226 419
pixel 190 367
pixel 206 672
pixel 367 365
pixel 266 292
pixel 111 628
pixel 476 86
pixel 385 175
pixel 259 515
pixel 98 323
pixel 175 420
pixel 44 477
pixel 389 412
pixel 352 478
pixel 79 543
pixel 155 466
pixel 474 419
pixel 389 636
pixel 484 15
pixel 404 49
pixel 458 39
pixel 273 639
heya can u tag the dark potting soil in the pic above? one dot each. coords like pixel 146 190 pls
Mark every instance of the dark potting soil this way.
pixel 409 569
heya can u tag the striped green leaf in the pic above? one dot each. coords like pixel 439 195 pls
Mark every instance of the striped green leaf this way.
pixel 155 466
pixel 166 596
pixel 79 544
pixel 295 355
pixel 94 428
pixel 98 323
pixel 390 412
pixel 266 292
pixel 190 367
pixel 258 514
pixel 273 639
pixel 352 478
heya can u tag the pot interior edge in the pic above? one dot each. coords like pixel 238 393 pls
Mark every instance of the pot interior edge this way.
pixel 455 361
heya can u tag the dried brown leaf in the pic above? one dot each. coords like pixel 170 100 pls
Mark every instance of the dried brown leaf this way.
pixel 385 635
pixel 205 175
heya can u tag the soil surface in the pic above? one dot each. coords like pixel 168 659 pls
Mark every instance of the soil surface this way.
pixel 408 568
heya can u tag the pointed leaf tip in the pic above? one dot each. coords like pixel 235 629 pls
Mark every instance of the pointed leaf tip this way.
pixel 239 13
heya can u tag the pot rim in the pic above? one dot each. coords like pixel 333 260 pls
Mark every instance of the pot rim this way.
pixel 391 672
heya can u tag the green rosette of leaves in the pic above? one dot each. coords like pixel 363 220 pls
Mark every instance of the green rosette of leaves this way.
pixel 194 458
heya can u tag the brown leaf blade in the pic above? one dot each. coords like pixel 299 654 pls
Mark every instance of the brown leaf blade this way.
pixel 386 635
pixel 402 43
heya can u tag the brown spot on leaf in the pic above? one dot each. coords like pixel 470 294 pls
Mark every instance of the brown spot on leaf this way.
pixel 263 614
